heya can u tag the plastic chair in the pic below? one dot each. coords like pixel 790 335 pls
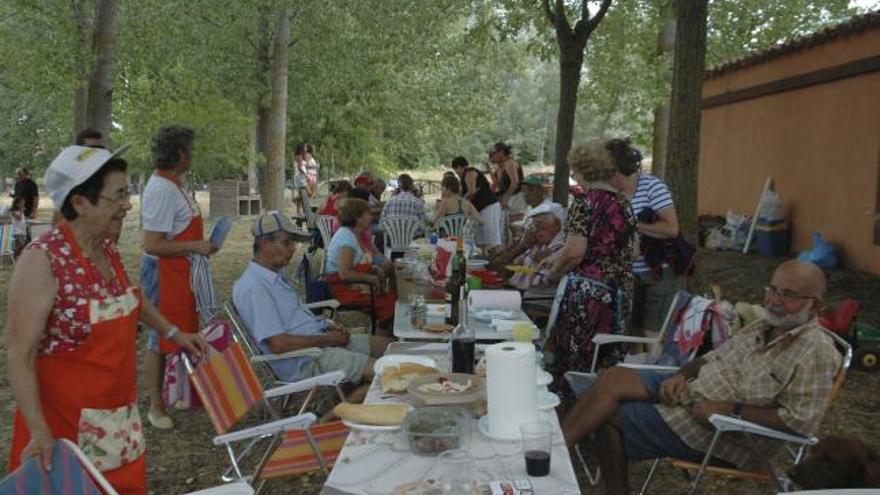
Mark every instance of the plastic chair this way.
pixel 456 225
pixel 36 229
pixel 229 389
pixel 399 233
pixel 74 474
pixel 324 223
pixel 795 445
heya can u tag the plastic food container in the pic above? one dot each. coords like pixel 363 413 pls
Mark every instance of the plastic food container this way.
pixel 432 430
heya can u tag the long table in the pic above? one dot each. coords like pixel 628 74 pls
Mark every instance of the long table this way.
pixel 404 331
pixel 378 463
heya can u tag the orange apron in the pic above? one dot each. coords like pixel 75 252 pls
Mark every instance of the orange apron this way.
pixel 88 395
pixel 177 303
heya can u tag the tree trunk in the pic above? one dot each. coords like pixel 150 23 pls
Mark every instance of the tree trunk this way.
pixel 99 113
pixel 683 155
pixel 277 135
pixel 665 45
pixel 570 62
pixel 80 104
pixel 261 131
pixel 661 140
pixel 253 185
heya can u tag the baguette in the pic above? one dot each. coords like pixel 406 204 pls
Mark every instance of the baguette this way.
pixel 372 414
pixel 397 378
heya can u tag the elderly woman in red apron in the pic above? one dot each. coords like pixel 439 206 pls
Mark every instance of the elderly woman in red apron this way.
pixel 173 230
pixel 72 326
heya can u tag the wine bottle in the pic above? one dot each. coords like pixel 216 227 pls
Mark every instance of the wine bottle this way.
pixel 463 340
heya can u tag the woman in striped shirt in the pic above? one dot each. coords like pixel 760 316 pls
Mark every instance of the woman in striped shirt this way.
pixel 655 286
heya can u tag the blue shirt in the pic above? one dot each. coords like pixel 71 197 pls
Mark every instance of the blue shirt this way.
pixel 269 306
pixel 344 237
pixel 651 193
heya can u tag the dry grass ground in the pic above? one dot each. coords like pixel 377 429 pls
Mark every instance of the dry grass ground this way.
pixel 184 459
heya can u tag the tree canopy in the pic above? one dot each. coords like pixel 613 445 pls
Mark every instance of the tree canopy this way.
pixel 373 84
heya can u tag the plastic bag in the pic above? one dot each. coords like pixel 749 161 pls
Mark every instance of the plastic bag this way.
pixel 770 210
pixel 822 253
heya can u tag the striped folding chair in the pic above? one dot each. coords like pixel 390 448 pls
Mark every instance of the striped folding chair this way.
pixel 229 389
pixel 74 474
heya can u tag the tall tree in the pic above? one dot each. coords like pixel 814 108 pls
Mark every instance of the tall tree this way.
pixel 571 60
pixel 683 154
pixel 277 135
pixel 665 44
pixel 99 108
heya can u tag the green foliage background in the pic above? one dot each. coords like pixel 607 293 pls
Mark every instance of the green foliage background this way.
pixel 374 84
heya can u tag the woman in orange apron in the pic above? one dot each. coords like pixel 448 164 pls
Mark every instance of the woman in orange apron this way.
pixel 173 229
pixel 73 326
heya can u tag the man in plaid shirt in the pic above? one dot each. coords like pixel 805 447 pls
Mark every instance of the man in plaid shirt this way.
pixel 777 373
pixel 405 203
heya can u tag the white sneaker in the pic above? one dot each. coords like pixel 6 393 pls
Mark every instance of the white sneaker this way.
pixel 160 421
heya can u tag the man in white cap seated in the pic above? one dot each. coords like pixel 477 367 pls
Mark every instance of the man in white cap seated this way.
pixel 547 221
pixel 280 322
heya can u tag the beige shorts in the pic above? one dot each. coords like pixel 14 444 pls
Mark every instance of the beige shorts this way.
pixel 351 359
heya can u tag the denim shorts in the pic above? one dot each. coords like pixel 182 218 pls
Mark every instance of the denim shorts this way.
pixel 150 286
pixel 644 433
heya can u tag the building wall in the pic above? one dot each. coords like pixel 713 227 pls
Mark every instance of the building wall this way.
pixel 821 145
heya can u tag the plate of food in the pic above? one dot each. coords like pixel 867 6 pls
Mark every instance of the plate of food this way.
pixel 372 417
pixel 396 379
pixel 446 389
pixel 397 359
pixel 526 270
pixel 437 327
pixel 493 314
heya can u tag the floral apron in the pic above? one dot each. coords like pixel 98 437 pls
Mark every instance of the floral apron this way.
pixel 177 303
pixel 88 395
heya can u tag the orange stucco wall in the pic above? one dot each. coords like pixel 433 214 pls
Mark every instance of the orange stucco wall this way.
pixel 821 145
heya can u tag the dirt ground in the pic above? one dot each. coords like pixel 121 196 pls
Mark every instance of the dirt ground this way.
pixel 184 459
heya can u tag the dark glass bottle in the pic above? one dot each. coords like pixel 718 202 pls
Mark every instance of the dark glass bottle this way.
pixel 463 341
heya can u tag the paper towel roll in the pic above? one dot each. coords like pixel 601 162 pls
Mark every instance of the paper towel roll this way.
pixel 494 299
pixel 511 395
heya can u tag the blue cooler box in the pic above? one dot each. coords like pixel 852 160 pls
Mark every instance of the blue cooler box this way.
pixel 773 238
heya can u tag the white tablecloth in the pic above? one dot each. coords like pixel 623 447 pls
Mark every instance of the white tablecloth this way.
pixel 404 331
pixel 377 463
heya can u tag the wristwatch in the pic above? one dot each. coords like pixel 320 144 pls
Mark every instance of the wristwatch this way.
pixel 737 411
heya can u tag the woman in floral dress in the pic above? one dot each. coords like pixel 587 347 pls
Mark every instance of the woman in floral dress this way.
pixel 597 257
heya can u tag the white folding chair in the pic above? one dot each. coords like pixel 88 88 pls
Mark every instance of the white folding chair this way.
pixel 456 225
pixel 36 229
pixel 262 360
pixel 795 445
pixel 7 243
pixel 399 233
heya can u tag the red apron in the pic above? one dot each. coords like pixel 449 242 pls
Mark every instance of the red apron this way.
pixel 177 303
pixel 88 395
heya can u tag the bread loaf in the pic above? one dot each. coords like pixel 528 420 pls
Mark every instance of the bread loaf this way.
pixel 397 378
pixel 372 414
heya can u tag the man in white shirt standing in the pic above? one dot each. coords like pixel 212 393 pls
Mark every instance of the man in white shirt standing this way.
pixel 173 231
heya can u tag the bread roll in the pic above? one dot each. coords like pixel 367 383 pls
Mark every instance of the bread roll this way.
pixel 397 378
pixel 372 414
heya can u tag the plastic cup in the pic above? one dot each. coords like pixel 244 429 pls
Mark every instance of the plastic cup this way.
pixel 522 332
pixel 537 440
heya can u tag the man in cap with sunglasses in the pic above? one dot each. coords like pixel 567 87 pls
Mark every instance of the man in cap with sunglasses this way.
pixel 778 372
